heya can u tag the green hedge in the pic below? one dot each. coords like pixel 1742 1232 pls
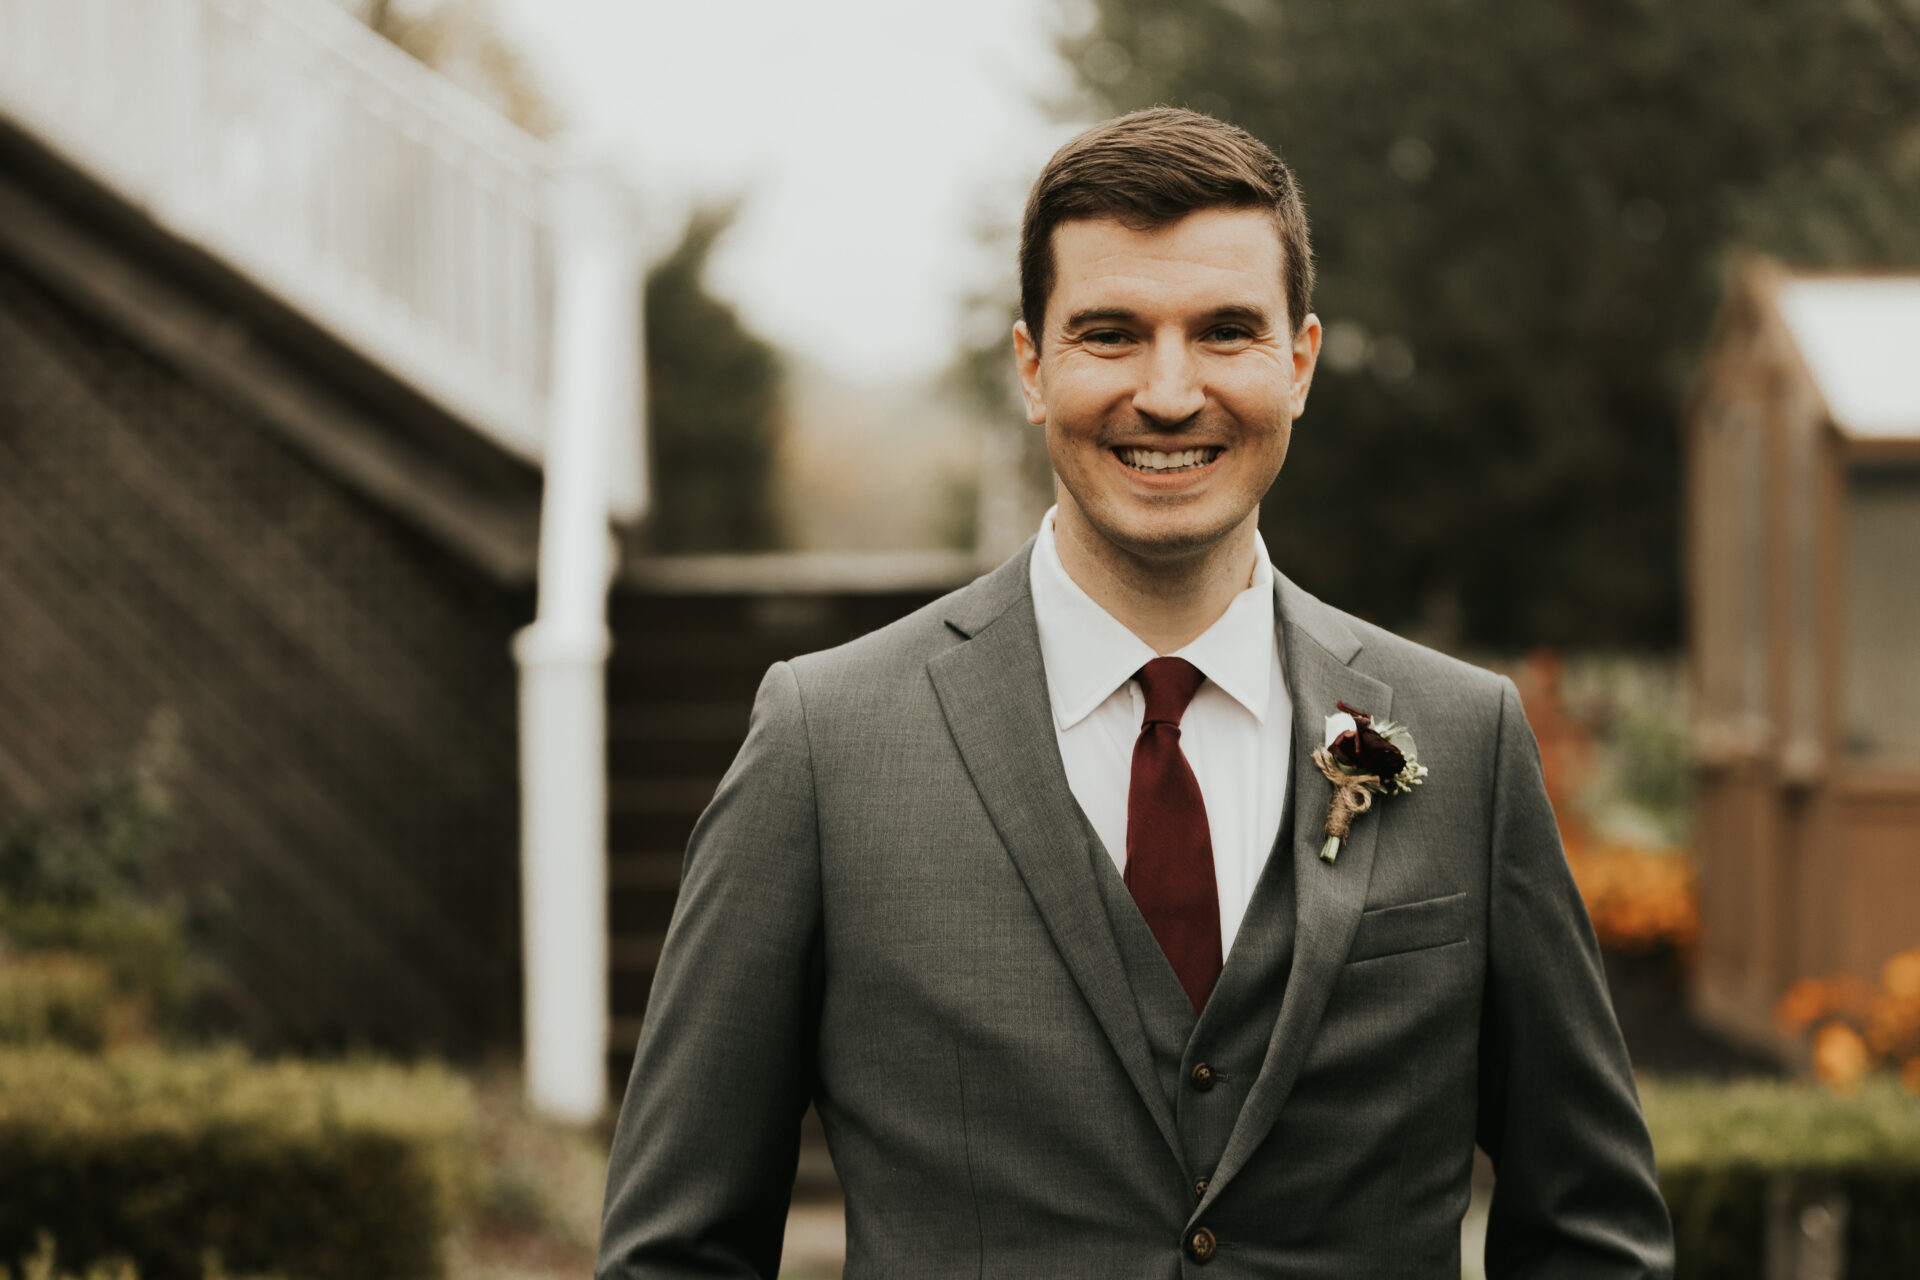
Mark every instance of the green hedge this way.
pixel 1722 1148
pixel 142 945
pixel 54 997
pixel 44 1265
pixel 323 1172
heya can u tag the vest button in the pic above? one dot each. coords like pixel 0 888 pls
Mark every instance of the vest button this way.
pixel 1202 1077
pixel 1199 1186
pixel 1201 1246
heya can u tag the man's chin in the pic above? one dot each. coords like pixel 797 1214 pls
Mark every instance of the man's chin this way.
pixel 1168 541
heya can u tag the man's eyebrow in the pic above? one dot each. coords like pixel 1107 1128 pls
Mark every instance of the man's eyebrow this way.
pixel 1099 315
pixel 1245 312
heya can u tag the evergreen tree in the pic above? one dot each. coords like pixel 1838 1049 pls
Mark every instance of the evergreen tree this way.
pixel 1523 216
pixel 714 406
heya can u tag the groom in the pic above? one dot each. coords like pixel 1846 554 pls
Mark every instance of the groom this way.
pixel 1025 892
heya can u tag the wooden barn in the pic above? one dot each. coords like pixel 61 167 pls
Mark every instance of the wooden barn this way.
pixel 1804 529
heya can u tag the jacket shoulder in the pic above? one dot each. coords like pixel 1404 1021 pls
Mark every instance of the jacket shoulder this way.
pixel 1393 656
pixel 1431 690
pixel 887 661
pixel 903 645
pixel 1378 652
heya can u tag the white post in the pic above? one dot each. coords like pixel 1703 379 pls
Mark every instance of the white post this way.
pixel 596 377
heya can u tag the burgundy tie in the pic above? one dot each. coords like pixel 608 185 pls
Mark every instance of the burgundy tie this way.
pixel 1169 850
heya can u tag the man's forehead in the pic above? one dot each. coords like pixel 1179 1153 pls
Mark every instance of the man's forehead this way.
pixel 1223 220
pixel 1238 250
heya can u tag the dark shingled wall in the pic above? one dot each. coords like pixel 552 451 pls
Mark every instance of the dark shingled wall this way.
pixel 343 683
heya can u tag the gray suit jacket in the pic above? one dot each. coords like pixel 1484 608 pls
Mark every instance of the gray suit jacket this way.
pixel 889 910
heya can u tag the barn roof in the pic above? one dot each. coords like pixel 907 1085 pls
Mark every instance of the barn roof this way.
pixel 1860 338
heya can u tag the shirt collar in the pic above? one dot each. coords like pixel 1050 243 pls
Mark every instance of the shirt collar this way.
pixel 1088 653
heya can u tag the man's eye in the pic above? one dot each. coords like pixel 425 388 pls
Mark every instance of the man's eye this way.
pixel 1228 333
pixel 1105 338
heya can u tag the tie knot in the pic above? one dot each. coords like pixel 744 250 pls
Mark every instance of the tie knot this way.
pixel 1169 685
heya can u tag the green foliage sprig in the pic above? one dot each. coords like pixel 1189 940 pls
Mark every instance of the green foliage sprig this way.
pixel 86 881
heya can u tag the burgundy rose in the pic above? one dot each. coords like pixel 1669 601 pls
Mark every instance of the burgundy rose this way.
pixel 1364 750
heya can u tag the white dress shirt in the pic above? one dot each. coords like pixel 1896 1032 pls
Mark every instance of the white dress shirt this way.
pixel 1236 734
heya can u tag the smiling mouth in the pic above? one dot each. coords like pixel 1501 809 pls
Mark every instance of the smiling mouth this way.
pixel 1155 462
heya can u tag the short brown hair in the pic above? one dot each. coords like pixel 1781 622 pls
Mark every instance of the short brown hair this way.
pixel 1148 170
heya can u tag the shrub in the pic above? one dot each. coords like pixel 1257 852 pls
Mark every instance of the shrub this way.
pixel 1855 1026
pixel 44 1265
pixel 1612 736
pixel 87 877
pixel 1641 901
pixel 67 999
pixel 141 945
pixel 327 1172
pixel 1724 1148
pixel 107 844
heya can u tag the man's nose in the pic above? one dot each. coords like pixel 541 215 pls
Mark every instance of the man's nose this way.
pixel 1170 391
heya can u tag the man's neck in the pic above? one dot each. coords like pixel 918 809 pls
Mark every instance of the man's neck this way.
pixel 1167 603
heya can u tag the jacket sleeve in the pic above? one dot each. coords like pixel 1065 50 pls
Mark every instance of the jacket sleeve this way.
pixel 703 1159
pixel 1575 1194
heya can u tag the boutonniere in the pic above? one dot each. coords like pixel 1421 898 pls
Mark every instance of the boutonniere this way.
pixel 1363 757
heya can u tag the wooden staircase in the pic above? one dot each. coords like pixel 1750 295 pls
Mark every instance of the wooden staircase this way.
pixel 691 642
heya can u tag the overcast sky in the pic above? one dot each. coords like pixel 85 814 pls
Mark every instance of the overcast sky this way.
pixel 868 137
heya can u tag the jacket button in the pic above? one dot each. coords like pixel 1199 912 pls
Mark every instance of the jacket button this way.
pixel 1202 1077
pixel 1201 1246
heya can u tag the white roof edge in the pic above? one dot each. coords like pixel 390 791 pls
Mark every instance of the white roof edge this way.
pixel 1860 338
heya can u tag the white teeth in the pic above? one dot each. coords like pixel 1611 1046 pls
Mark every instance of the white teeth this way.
pixel 1154 460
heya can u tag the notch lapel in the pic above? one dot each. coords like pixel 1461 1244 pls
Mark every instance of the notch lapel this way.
pixel 1329 898
pixel 993 692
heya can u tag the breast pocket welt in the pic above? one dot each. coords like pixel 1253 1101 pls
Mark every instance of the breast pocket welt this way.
pixel 1410 926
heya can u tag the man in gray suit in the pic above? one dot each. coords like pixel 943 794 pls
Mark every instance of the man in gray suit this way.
pixel 1030 893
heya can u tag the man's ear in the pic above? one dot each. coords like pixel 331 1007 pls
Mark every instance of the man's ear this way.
pixel 1306 357
pixel 1026 355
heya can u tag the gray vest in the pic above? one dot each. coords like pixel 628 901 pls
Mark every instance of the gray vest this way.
pixel 1207 1062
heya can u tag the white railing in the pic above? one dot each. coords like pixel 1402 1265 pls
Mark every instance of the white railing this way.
pixel 284 137
pixel 448 246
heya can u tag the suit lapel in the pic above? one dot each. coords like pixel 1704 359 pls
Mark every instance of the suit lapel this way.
pixel 993 693
pixel 1329 898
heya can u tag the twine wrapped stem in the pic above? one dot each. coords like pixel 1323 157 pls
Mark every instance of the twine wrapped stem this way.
pixel 1352 796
